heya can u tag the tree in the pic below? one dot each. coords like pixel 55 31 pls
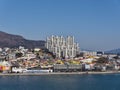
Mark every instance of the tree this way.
pixel 116 57
pixel 102 60
pixel 37 55
pixel 18 55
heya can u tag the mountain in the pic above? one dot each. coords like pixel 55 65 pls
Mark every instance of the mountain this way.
pixel 12 41
pixel 114 51
pixel 87 50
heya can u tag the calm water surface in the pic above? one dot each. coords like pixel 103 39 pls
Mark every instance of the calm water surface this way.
pixel 61 82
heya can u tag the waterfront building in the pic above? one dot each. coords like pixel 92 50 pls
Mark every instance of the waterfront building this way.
pixel 62 47
pixel 67 68
pixel 89 53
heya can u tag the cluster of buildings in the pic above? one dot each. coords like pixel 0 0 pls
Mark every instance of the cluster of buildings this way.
pixel 63 47
pixel 68 58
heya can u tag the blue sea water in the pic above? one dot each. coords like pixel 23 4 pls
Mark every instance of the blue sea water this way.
pixel 61 82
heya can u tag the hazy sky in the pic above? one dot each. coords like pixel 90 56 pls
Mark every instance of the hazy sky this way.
pixel 94 23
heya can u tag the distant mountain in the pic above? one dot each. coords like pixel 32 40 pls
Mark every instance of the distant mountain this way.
pixel 12 41
pixel 114 51
pixel 87 50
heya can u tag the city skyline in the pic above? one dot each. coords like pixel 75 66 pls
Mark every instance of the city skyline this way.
pixel 94 24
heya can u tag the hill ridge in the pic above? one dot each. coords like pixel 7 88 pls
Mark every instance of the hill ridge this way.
pixel 12 41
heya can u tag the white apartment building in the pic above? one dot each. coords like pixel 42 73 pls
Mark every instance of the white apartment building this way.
pixel 62 47
pixel 89 53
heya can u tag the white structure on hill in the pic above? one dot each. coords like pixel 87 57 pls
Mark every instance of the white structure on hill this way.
pixel 62 47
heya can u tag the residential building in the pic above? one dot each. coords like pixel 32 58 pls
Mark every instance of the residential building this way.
pixel 62 47
pixel 89 53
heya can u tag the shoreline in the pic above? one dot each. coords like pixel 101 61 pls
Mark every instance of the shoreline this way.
pixel 59 73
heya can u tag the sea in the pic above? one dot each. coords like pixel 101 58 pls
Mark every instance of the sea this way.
pixel 61 82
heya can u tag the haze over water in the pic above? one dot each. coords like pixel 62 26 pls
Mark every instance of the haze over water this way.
pixel 61 82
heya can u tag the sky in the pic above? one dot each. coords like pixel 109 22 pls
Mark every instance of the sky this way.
pixel 95 24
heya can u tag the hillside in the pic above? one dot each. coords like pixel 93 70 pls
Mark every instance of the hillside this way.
pixel 12 41
pixel 114 51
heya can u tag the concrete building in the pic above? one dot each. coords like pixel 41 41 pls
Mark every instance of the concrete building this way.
pixel 66 68
pixel 89 53
pixel 62 47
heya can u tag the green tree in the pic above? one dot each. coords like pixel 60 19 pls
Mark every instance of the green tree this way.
pixel 102 60
pixel 18 55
